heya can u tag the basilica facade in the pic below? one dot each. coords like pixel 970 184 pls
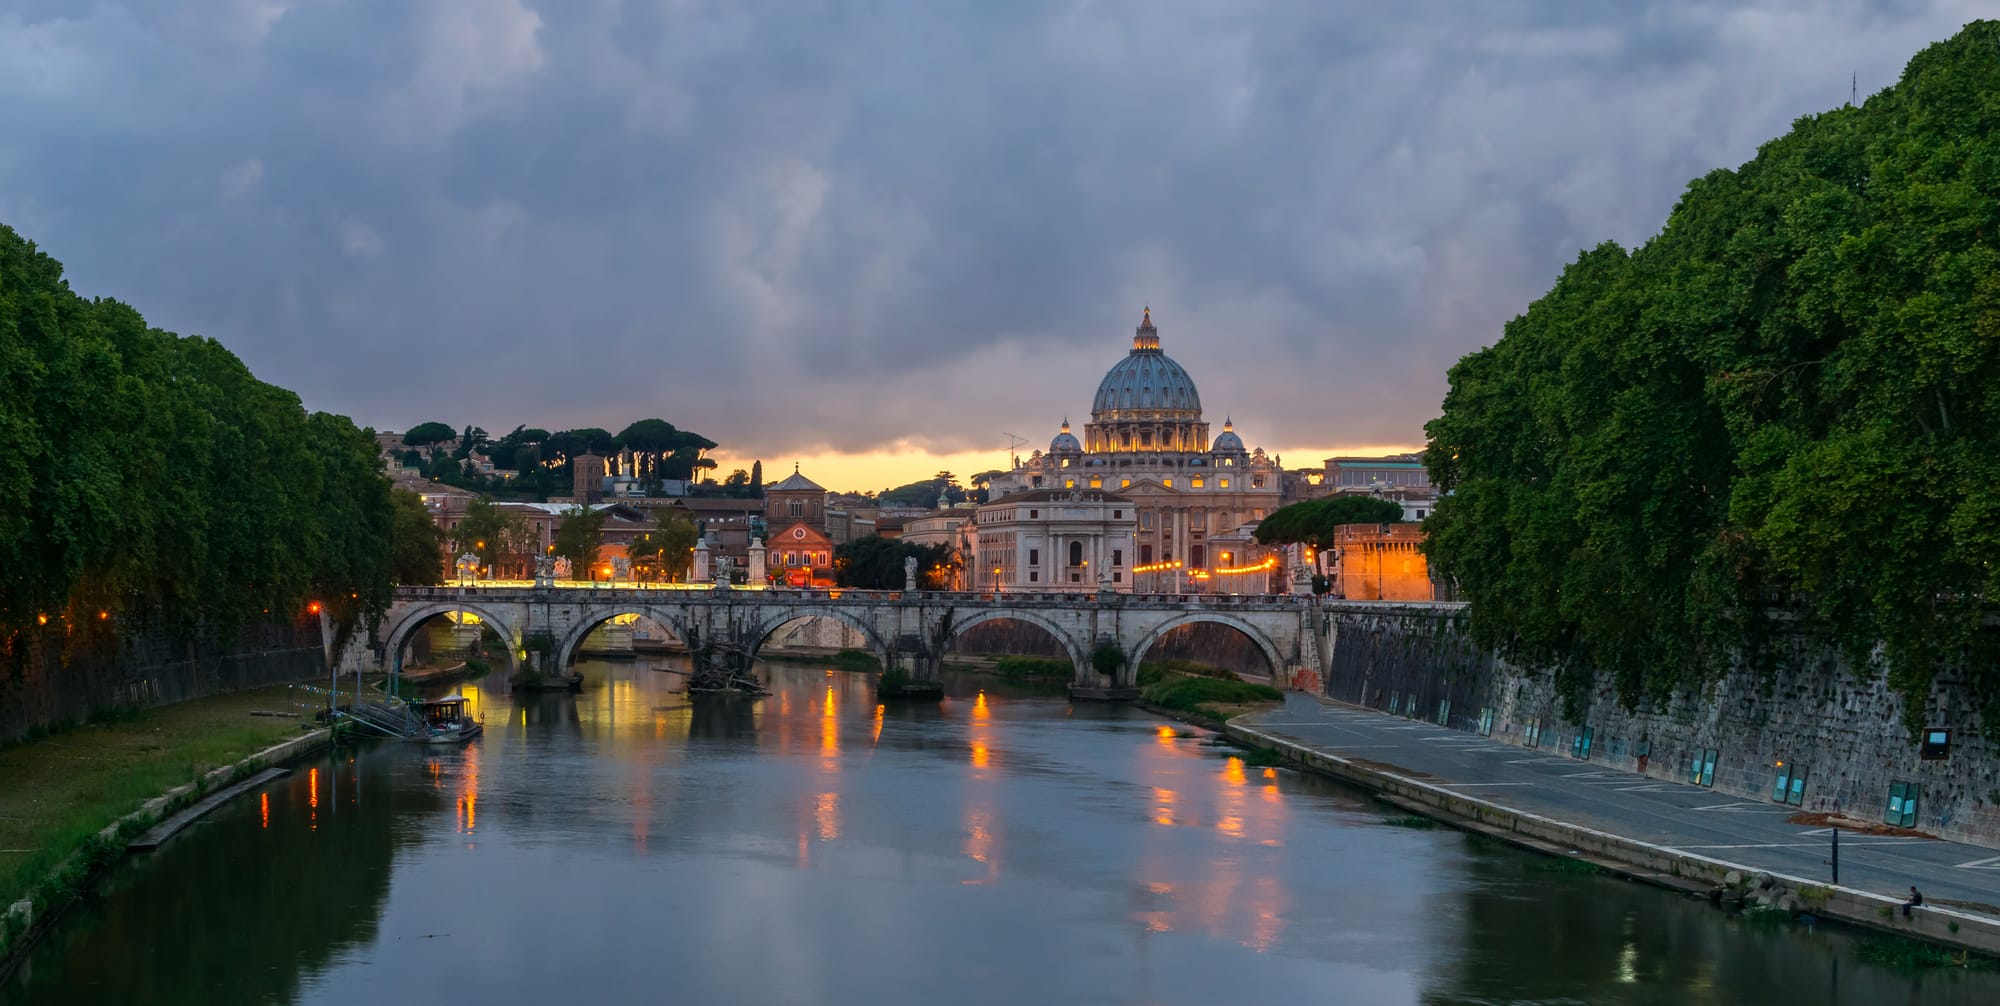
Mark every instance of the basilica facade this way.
pixel 1147 444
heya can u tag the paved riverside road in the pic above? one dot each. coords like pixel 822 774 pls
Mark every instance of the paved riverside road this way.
pixel 1691 819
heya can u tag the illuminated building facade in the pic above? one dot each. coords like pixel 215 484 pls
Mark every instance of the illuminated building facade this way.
pixel 1148 443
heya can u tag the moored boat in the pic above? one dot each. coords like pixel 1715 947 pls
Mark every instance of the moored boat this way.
pixel 445 721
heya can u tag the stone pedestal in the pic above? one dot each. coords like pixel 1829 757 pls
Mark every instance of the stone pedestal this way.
pixel 758 572
pixel 701 573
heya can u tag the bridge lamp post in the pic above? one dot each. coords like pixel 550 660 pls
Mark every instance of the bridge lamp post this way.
pixel 996 580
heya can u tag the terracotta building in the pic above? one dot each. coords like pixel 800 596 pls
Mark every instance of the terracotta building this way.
pixel 1380 562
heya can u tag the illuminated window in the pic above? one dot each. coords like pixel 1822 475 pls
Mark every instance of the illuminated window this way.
pixel 1198 482
pixel 1168 481
pixel 1069 483
pixel 1123 483
pixel 1097 481
pixel 1225 483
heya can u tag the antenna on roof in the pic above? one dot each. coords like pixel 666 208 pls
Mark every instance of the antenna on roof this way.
pixel 1013 447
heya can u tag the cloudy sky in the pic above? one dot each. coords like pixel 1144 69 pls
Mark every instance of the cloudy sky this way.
pixel 879 236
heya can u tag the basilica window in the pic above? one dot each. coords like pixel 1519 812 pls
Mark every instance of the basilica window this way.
pixel 1069 483
pixel 1145 555
pixel 1124 483
pixel 1117 515
pixel 1034 557
pixel 1197 556
pixel 1066 461
pixel 798 507
pixel 1145 438
pixel 1032 514
pixel 1034 576
pixel 1256 481
pixel 1145 520
pixel 1118 557
pixel 1097 481
pixel 1198 482
pixel 1076 553
pixel 1168 481
pixel 1225 483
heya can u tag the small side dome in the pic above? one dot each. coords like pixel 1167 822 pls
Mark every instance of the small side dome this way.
pixel 1228 442
pixel 1065 442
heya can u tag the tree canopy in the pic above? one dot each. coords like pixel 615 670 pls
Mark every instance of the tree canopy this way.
pixel 1788 400
pixel 1313 521
pixel 152 474
pixel 426 434
pixel 579 538
pixel 876 563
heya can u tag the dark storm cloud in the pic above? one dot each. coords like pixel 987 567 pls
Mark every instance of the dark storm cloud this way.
pixel 797 225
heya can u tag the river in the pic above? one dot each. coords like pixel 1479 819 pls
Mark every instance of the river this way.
pixel 626 846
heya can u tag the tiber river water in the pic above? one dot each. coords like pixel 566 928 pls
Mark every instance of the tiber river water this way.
pixel 623 846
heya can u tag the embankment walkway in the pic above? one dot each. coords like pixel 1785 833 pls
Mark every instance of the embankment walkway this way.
pixel 1650 826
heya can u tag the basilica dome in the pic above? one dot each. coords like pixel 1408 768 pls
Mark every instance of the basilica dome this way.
pixel 1228 442
pixel 1065 442
pixel 1147 380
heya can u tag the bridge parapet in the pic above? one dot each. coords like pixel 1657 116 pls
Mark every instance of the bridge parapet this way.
pixel 909 630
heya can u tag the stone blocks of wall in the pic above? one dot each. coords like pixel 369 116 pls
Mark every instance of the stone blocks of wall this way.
pixel 1843 730
pixel 58 675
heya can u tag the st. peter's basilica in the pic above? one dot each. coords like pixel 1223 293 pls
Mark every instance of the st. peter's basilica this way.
pixel 1148 446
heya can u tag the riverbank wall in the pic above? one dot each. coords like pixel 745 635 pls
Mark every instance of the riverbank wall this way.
pixel 1836 739
pixel 60 673
pixel 1628 856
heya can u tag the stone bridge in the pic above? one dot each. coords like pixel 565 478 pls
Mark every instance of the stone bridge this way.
pixel 908 630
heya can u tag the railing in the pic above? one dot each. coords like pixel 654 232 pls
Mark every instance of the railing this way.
pixel 849 595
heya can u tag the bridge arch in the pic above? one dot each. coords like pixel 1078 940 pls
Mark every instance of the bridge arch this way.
pixel 593 618
pixel 408 620
pixel 773 622
pixel 1078 657
pixel 1130 674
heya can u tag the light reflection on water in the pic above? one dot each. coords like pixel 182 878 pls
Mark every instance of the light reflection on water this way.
pixel 818 846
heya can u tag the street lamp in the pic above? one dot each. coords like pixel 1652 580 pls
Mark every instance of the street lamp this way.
pixel 996 579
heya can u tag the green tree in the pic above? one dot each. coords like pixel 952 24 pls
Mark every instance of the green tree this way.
pixel 579 538
pixel 668 549
pixel 499 537
pixel 152 474
pixel 1313 521
pixel 1788 399
pixel 414 541
pixel 426 434
pixel 876 563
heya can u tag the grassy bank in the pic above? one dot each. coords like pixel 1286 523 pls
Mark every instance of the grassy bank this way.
pixel 845 660
pixel 1209 701
pixel 59 790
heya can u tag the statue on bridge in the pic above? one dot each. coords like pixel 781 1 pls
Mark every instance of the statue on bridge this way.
pixel 468 567
pixel 545 570
pixel 724 567
pixel 910 572
pixel 621 568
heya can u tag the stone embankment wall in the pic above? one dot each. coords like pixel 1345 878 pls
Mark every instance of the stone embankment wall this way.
pixel 58 675
pixel 1815 716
